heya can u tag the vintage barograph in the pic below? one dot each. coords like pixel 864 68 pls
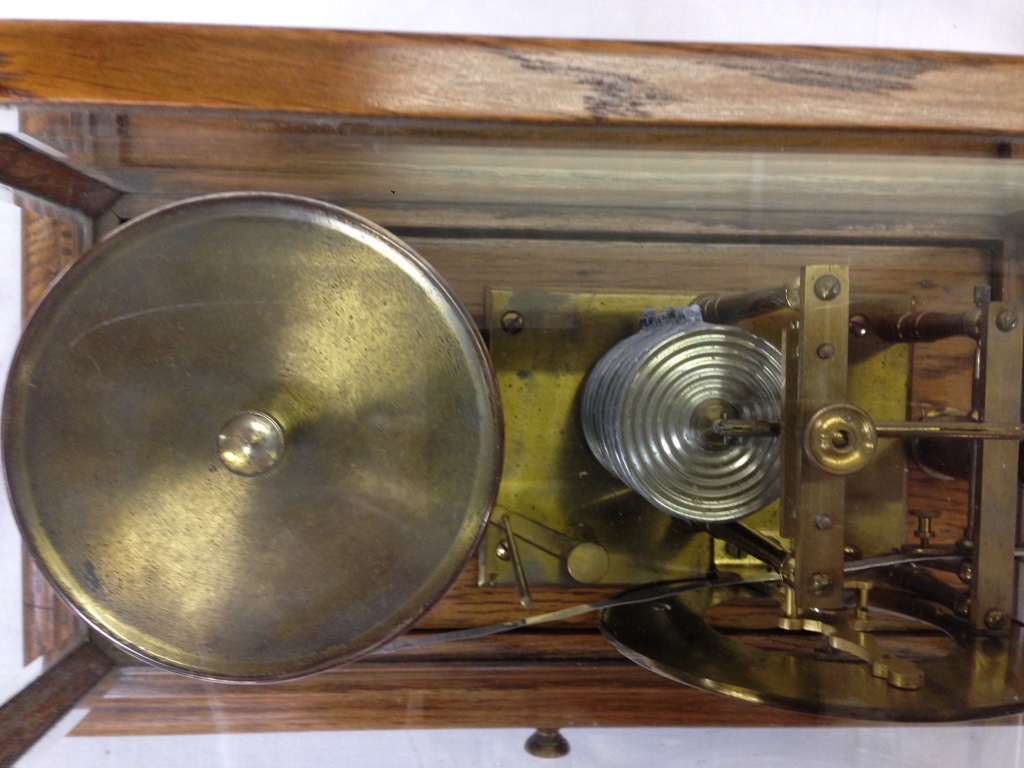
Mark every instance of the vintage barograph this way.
pixel 704 359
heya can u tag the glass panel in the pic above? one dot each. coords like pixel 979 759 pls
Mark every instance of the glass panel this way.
pixel 38 241
pixel 906 747
pixel 557 249
pixel 15 669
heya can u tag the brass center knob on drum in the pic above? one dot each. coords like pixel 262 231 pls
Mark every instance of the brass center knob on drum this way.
pixel 250 444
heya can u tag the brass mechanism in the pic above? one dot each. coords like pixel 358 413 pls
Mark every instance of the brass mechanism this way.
pixel 834 541
pixel 827 442
pixel 252 436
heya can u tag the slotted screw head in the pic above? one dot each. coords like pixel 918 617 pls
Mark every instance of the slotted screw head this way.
pixel 827 287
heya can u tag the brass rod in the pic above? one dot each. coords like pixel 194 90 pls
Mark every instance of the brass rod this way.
pixel 747 540
pixel 745 428
pixel 525 599
pixel 730 307
pixel 925 584
pixel 915 429
pixel 538 535
pixel 950 430
pixel 929 326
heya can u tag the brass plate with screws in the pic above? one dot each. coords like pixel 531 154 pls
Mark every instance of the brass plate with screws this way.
pixel 542 345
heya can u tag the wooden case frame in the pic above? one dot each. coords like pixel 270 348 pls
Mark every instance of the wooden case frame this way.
pixel 115 119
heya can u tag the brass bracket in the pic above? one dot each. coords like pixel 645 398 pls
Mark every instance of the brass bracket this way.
pixel 813 499
pixel 899 673
pixel 997 397
pixel 854 637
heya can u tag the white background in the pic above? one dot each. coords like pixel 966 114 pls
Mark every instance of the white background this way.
pixel 993 26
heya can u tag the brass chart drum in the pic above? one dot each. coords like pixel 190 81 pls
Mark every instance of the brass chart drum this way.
pixel 251 436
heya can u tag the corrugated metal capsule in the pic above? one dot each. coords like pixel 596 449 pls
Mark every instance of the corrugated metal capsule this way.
pixel 650 403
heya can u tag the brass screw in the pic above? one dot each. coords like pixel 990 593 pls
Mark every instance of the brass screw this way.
pixel 863 592
pixel 827 287
pixel 995 619
pixel 788 570
pixel 1006 320
pixel 962 608
pixel 503 551
pixel 826 351
pixel 863 598
pixel 821 583
pixel 512 323
pixel 823 522
pixel 924 530
pixel 965 572
pixel 858 326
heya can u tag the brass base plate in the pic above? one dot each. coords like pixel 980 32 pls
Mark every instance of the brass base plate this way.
pixel 550 475
pixel 542 345
pixel 982 677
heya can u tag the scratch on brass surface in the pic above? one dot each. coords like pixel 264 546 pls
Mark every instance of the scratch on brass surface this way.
pixel 301 542
pixel 156 310
pixel 612 94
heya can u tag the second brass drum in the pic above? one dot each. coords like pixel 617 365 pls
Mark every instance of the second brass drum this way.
pixel 251 436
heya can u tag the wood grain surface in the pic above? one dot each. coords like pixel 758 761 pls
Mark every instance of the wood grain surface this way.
pixel 476 694
pixel 49 627
pixel 495 79
pixel 33 711
pixel 558 164
pixel 49 243
pixel 26 169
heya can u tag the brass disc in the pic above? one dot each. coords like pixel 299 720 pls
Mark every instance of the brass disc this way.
pixel 982 677
pixel 251 436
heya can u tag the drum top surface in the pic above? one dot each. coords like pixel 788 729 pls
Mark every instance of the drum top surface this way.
pixel 251 436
